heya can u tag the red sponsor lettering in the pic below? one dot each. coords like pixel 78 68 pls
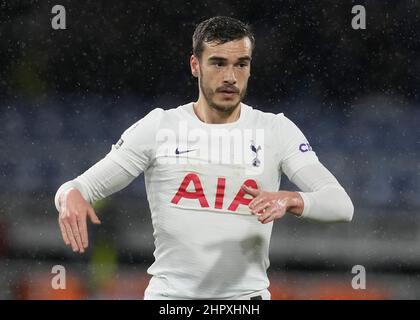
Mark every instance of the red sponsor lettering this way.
pixel 240 198
pixel 220 193
pixel 197 194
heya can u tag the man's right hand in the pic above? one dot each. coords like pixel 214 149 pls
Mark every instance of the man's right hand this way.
pixel 72 219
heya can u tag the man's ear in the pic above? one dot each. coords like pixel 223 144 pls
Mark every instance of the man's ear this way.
pixel 195 66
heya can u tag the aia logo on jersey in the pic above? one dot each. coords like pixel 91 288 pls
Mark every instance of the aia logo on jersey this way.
pixel 200 195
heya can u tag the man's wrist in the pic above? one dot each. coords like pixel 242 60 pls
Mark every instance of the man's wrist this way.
pixel 63 196
pixel 295 204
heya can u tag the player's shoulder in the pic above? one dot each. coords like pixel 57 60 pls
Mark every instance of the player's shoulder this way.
pixel 150 123
pixel 170 112
pixel 157 114
pixel 268 118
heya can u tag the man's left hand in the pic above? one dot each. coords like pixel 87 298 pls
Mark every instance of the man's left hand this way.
pixel 273 205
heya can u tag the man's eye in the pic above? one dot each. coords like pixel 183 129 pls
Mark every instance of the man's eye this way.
pixel 243 65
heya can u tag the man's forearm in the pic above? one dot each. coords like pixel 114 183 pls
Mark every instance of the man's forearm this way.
pixel 331 204
pixel 323 198
pixel 101 180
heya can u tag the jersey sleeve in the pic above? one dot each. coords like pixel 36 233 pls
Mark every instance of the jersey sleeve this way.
pixel 98 182
pixel 324 198
pixel 135 150
pixel 296 152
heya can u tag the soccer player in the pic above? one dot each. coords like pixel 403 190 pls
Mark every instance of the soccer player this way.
pixel 212 172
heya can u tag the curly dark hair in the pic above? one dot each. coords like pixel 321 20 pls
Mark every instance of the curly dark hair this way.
pixel 220 30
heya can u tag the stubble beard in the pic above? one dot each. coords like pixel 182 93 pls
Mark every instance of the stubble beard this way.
pixel 209 94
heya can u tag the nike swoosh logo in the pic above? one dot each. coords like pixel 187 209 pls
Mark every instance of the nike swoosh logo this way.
pixel 183 151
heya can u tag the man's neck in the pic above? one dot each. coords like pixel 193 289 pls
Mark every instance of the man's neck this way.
pixel 210 115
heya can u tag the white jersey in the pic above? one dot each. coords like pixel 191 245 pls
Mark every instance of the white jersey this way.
pixel 207 243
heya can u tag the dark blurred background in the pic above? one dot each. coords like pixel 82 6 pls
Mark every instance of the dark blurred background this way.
pixel 67 95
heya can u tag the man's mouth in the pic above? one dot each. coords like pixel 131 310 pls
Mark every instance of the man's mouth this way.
pixel 228 91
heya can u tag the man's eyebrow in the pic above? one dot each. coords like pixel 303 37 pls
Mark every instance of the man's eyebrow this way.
pixel 245 58
pixel 216 58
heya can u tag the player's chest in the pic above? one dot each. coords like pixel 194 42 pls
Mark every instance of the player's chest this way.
pixel 248 151
pixel 208 172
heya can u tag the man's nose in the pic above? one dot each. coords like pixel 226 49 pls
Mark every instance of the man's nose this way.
pixel 229 76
